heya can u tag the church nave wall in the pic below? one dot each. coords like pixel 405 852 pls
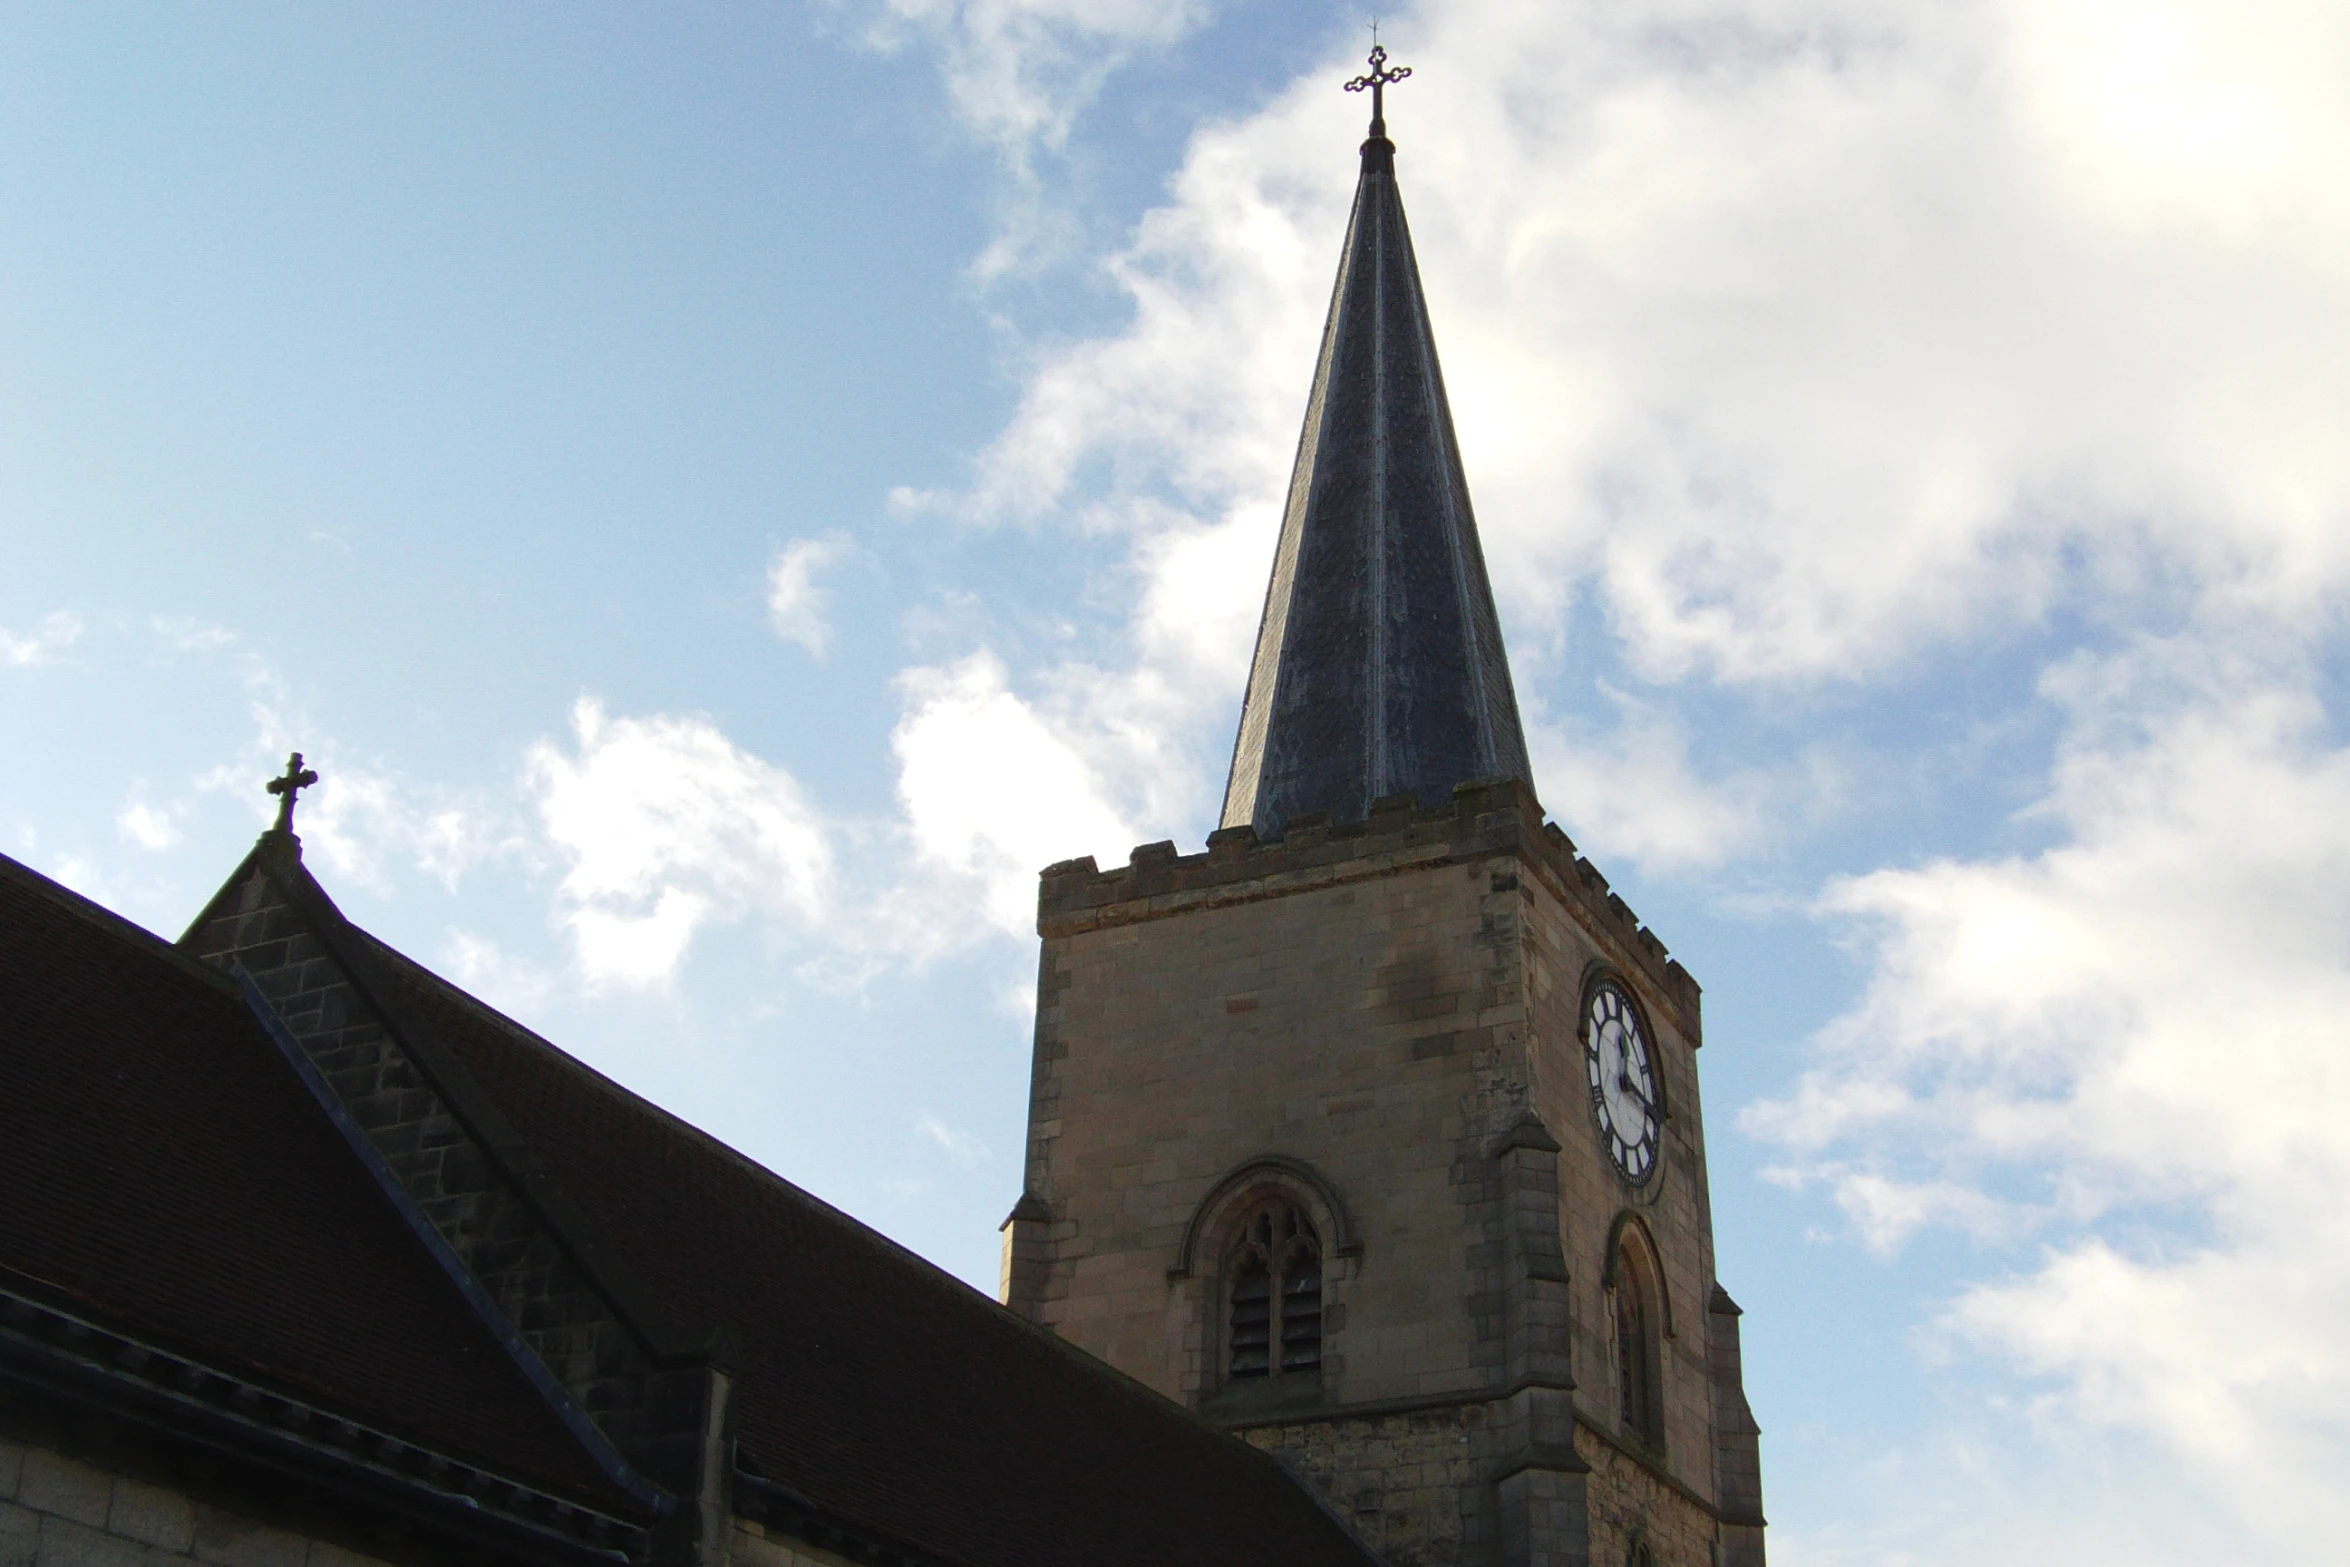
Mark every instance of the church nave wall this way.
pixel 58 1510
pixel 1410 1483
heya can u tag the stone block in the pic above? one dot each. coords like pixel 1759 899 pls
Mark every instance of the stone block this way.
pixel 325 1554
pixel 231 1541
pixel 152 1515
pixel 11 1467
pixel 20 1535
pixel 65 1543
pixel 53 1483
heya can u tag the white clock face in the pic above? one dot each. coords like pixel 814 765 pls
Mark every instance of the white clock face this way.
pixel 1623 1081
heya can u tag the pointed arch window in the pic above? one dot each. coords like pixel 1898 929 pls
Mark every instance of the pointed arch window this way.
pixel 1639 1369
pixel 1275 1279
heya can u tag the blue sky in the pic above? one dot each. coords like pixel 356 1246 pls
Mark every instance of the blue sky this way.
pixel 725 493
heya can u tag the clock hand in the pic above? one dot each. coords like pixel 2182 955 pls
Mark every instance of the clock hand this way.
pixel 1624 1081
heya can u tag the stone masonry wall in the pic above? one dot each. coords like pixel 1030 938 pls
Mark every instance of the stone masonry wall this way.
pixel 1371 1029
pixel 754 1544
pixel 57 1511
pixel 1629 1503
pixel 1411 1483
pixel 1594 1197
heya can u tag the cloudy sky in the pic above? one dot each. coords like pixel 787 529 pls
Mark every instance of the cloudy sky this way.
pixel 724 493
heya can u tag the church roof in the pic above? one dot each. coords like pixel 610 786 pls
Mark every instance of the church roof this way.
pixel 174 1173
pixel 1379 666
pixel 168 1178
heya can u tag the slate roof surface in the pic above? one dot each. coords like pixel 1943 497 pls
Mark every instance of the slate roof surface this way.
pixel 874 1384
pixel 1379 667
pixel 167 1176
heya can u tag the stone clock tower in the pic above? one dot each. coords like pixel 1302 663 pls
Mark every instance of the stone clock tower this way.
pixel 1373 1132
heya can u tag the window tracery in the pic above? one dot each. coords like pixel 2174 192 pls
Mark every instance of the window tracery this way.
pixel 1275 1295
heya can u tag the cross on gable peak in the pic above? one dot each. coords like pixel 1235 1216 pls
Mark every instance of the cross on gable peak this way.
pixel 297 778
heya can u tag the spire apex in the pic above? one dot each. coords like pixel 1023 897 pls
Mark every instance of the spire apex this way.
pixel 1377 79
pixel 1379 668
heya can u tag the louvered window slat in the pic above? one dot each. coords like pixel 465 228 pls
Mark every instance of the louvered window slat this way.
pixel 1301 1314
pixel 1252 1318
pixel 1276 1296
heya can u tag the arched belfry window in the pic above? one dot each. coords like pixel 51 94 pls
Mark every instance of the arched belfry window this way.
pixel 1639 1371
pixel 1276 1295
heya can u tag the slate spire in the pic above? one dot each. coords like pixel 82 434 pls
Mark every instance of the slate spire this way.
pixel 1379 666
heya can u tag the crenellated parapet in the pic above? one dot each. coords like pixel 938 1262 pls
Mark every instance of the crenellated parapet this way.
pixel 1486 818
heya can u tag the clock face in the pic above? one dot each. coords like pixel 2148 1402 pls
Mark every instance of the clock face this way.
pixel 1623 1081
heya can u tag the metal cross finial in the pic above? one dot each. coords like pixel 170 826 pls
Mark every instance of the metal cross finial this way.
pixel 1377 79
pixel 297 779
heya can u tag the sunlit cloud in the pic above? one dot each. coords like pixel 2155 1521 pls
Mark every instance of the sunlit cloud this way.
pixel 992 791
pixel 664 825
pixel 187 634
pixel 960 1146
pixel 147 826
pixel 56 632
pixel 2142 1021
pixel 1636 794
pixel 1019 74
pixel 797 604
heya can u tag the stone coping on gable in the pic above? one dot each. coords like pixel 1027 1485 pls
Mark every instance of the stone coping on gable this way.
pixel 1486 818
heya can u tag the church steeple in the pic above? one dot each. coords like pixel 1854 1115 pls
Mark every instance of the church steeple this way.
pixel 1379 666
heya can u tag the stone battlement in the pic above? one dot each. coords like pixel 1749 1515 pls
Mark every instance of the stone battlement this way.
pixel 1486 818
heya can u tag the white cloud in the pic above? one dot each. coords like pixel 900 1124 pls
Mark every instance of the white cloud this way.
pixel 187 634
pixel 357 821
pixel 1634 794
pixel 147 826
pixel 641 946
pixel 57 631
pixel 993 791
pixel 960 1146
pixel 796 605
pixel 2130 1045
pixel 1019 73
pixel 483 967
pixel 665 826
